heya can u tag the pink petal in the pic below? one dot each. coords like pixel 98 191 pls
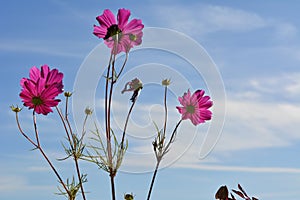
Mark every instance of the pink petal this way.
pixel 194 120
pixel 133 26
pixel 100 31
pixel 34 73
pixel 199 93
pixel 22 81
pixel 205 114
pixel 123 16
pixel 206 105
pixel 106 19
pixel 180 109
pixel 45 70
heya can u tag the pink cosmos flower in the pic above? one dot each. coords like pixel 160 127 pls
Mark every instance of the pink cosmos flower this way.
pixel 195 107
pixel 41 88
pixel 119 35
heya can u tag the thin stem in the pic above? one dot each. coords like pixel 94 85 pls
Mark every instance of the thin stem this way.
pixel 126 123
pixel 65 126
pixel 79 176
pixel 109 110
pixel 83 127
pixel 106 98
pixel 72 142
pixel 112 183
pixel 108 103
pixel 76 160
pixel 35 129
pixel 160 156
pixel 123 66
pixel 66 108
pixel 23 133
pixel 166 114
pixel 153 179
pixel 46 157
pixel 68 122
pixel 55 171
pixel 172 138
pixel 109 150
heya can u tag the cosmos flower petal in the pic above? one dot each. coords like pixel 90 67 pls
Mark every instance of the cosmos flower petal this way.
pixel 106 19
pixel 34 73
pixel 123 16
pixel 206 114
pixel 134 26
pixel 45 70
pixel 180 109
pixel 199 93
pixel 99 31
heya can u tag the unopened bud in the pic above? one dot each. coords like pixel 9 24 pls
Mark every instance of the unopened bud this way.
pixel 15 109
pixel 68 94
pixel 88 111
pixel 166 82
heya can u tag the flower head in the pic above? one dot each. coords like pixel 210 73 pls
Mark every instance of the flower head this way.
pixel 15 109
pixel 128 196
pixel 88 111
pixel 41 88
pixel 119 35
pixel 135 86
pixel 166 82
pixel 195 107
pixel 68 94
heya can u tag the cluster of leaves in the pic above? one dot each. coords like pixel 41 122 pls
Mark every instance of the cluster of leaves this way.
pixel 223 194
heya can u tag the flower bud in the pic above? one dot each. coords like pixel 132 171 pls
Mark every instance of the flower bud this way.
pixel 88 111
pixel 133 85
pixel 128 196
pixel 15 109
pixel 166 82
pixel 68 94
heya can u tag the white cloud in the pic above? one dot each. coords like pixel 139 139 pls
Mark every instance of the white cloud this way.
pixel 202 18
pixel 251 125
pixel 284 30
pixel 195 19
pixel 241 168
pixel 9 184
pixel 287 85
pixel 54 48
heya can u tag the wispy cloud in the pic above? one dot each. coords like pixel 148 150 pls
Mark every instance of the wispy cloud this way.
pixel 241 168
pixel 288 84
pixel 53 48
pixel 202 19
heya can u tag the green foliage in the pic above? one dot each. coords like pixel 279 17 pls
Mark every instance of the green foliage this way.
pixel 98 152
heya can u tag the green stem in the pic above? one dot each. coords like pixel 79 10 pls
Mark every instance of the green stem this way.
pixel 166 114
pixel 112 183
pixel 126 123
pixel 153 179
pixel 46 157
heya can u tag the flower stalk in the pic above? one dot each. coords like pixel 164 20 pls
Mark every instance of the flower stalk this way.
pixel 38 146
pixel 76 145
pixel 160 147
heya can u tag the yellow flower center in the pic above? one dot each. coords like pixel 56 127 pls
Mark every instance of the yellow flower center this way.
pixel 37 101
pixel 190 109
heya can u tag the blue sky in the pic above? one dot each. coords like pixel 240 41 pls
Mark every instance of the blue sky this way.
pixel 256 48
